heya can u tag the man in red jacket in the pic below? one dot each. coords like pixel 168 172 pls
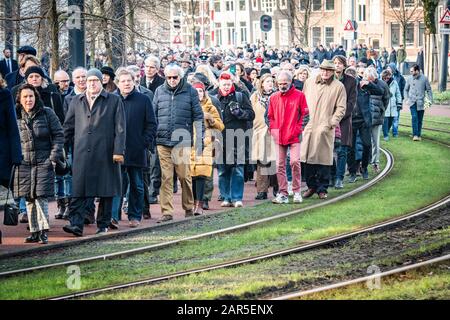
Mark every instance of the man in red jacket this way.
pixel 286 114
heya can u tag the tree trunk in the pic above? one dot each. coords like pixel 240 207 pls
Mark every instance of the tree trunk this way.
pixel 17 23
pixel 131 23
pixel 54 24
pixel 43 29
pixel 431 57
pixel 106 35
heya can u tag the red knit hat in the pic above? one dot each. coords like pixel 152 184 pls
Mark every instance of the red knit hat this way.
pixel 225 76
pixel 199 85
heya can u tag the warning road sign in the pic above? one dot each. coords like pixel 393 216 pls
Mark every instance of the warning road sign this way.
pixel 177 40
pixel 446 17
pixel 349 26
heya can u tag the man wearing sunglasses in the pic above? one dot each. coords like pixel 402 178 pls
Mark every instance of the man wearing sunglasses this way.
pixel 178 111
pixel 62 80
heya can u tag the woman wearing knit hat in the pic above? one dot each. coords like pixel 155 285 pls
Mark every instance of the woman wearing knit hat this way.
pixel 108 79
pixel 201 167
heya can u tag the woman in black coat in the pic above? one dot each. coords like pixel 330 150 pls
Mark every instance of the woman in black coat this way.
pixel 10 151
pixel 42 139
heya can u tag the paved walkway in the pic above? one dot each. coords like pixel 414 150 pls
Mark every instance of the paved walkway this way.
pixel 435 110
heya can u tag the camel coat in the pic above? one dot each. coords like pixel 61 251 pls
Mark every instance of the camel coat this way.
pixel 263 146
pixel 327 103
pixel 202 165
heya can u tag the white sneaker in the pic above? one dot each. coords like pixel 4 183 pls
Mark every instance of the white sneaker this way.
pixel 280 199
pixel 290 192
pixel 226 204
pixel 238 204
pixel 298 197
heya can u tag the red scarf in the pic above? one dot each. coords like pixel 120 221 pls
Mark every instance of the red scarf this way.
pixel 223 94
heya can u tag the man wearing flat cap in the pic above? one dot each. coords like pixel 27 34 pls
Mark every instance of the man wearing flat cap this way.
pixel 95 124
pixel 326 98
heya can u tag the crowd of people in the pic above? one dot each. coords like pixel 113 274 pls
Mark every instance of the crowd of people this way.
pixel 126 137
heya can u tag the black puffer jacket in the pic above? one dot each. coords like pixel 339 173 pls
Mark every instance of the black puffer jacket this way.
pixel 42 139
pixel 178 109
pixel 378 103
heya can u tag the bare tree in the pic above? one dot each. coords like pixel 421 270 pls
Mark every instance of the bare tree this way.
pixel 431 43
pixel 404 12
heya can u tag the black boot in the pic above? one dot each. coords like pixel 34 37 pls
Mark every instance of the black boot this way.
pixel 61 205
pixel 205 205
pixel 43 237
pixel 33 238
pixel 66 212
pixel 261 196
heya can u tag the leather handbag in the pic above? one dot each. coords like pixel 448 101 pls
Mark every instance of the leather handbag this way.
pixel 11 215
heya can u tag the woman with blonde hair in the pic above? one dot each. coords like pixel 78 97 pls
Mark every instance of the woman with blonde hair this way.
pixel 207 72
pixel 202 166
pixel 262 145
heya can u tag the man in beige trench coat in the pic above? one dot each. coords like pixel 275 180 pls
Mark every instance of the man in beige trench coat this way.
pixel 326 98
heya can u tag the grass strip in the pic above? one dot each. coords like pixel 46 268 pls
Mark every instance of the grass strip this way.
pixel 417 166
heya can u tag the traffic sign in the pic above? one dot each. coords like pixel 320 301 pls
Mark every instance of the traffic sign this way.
pixel 177 40
pixel 444 31
pixel 266 23
pixel 350 35
pixel 349 26
pixel 445 19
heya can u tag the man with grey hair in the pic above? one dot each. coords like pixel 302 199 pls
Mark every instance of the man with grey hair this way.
pixel 177 109
pixel 287 113
pixel 62 81
pixel 95 125
pixel 152 80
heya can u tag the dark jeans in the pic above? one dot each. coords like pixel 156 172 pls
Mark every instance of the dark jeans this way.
pixel 198 187
pixel 136 194
pixel 155 174
pixel 416 120
pixel 317 177
pixel 78 208
pixel 387 124
pixel 342 153
pixel 366 139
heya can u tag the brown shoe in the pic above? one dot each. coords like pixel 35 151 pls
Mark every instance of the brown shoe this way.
pixel 134 224
pixel 309 193
pixel 323 195
pixel 147 216
pixel 189 213
pixel 164 218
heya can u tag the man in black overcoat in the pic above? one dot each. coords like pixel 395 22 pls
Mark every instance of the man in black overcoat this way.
pixel 95 122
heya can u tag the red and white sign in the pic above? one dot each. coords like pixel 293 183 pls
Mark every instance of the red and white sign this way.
pixel 177 40
pixel 349 26
pixel 446 17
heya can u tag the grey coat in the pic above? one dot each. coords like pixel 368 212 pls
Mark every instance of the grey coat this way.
pixel 415 89
pixel 41 137
pixel 97 135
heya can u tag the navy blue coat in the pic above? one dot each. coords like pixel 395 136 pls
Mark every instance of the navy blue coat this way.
pixel 141 124
pixel 362 111
pixel 10 150
pixel 178 110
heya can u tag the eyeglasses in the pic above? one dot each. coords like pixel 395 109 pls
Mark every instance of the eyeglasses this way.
pixel 172 77
pixel 65 81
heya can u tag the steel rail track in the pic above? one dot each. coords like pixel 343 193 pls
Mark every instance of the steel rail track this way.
pixel 276 254
pixel 379 177
pixel 298 294
pixel 425 128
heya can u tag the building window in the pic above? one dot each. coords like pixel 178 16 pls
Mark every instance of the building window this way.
pixel 409 3
pixel 395 3
pixel 329 5
pixel 230 32
pixel 283 32
pixel 243 29
pixel 376 44
pixel 421 34
pixel 255 4
pixel 316 5
pixel 329 36
pixel 316 36
pixel 362 12
pixel 217 6
pixel 395 34
pixel 242 5
pixel 267 6
pixel 303 5
pixel 229 5
pixel 256 31
pixel 409 41
pixel 282 4
pixel 177 9
pixel 219 33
